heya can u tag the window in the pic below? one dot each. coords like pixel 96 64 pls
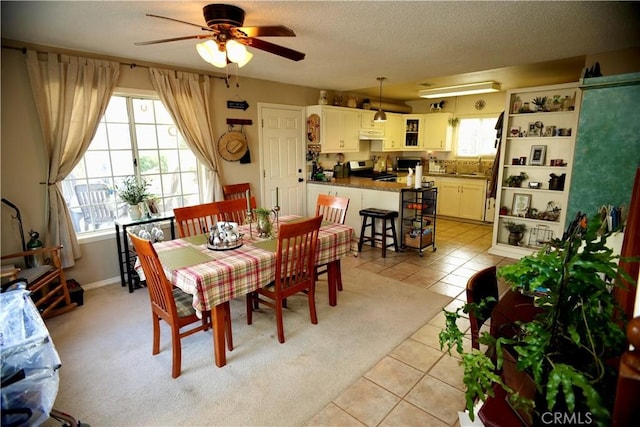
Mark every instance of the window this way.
pixel 477 136
pixel 135 137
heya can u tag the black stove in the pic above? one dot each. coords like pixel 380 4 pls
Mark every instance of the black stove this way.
pixel 364 169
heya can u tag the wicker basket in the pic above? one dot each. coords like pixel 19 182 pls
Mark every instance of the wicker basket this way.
pixel 414 242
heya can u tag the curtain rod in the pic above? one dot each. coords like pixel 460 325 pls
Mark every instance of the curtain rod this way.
pixel 131 65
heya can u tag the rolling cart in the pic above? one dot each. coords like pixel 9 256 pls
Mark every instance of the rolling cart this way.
pixel 418 217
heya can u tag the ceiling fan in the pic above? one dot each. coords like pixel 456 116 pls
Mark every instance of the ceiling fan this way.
pixel 226 37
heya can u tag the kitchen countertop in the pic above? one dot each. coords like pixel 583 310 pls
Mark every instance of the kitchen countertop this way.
pixel 368 183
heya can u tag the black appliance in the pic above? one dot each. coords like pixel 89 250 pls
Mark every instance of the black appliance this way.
pixel 364 169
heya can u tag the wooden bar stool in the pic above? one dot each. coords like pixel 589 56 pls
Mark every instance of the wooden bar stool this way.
pixel 388 224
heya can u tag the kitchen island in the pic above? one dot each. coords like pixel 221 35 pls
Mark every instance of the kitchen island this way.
pixel 459 195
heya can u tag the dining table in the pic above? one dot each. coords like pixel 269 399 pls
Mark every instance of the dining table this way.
pixel 215 276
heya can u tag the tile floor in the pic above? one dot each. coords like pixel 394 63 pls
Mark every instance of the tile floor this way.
pixel 417 384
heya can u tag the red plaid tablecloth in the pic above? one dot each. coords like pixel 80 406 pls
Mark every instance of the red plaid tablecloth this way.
pixel 220 276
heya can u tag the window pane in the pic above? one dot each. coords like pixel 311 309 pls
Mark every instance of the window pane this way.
pixel 117 110
pixel 148 161
pixel 167 136
pixel 97 163
pixel 143 111
pixel 146 136
pixel 162 115
pixel 476 137
pixel 119 136
pixel 100 141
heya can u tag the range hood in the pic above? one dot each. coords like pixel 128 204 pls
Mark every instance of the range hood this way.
pixel 371 134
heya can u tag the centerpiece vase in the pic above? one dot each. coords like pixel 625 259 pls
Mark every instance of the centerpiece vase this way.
pixel 135 212
pixel 263 225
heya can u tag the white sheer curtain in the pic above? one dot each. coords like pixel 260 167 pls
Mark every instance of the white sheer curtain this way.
pixel 187 99
pixel 71 95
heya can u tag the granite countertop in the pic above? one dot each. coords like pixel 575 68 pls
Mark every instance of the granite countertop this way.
pixel 368 183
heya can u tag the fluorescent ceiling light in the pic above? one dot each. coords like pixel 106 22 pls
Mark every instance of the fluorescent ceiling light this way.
pixel 459 90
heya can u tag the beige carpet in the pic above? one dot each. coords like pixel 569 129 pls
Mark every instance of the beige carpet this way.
pixel 109 377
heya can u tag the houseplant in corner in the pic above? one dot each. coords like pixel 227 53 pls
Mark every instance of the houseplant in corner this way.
pixel 134 193
pixel 568 348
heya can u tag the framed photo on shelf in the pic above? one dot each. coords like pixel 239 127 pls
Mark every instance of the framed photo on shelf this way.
pixel 538 153
pixel 521 204
pixel 533 130
pixel 550 131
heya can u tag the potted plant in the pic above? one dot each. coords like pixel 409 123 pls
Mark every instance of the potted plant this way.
pixel 516 180
pixel 568 349
pixel 134 193
pixel 263 221
pixel 539 102
pixel 516 232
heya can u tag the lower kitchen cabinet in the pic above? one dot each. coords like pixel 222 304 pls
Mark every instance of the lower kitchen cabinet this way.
pixel 462 198
pixel 358 199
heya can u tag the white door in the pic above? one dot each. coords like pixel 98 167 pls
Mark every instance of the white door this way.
pixel 282 146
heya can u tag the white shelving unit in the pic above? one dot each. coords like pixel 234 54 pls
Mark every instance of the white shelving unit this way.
pixel 530 141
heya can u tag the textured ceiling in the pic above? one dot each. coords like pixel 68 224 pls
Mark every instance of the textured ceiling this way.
pixel 349 43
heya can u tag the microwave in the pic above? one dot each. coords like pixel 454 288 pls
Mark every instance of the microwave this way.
pixel 404 163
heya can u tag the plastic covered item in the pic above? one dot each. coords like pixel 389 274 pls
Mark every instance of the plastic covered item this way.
pixel 30 362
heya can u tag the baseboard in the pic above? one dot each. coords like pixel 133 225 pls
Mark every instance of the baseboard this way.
pixel 101 283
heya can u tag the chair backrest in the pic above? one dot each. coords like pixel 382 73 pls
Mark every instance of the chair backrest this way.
pixel 160 289
pixel 480 286
pixel 234 210
pixel 296 255
pixel 95 202
pixel 236 191
pixel 197 219
pixel 332 208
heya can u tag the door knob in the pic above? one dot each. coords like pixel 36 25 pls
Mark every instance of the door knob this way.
pixel 300 180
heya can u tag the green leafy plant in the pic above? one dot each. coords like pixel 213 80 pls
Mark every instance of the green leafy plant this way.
pixel 540 101
pixel 262 212
pixel 568 348
pixel 516 180
pixel 132 191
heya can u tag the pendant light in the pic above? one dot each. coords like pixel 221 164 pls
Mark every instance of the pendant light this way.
pixel 380 115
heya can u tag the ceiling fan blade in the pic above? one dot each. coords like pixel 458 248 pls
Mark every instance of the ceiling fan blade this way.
pixel 285 52
pixel 266 31
pixel 177 20
pixel 174 39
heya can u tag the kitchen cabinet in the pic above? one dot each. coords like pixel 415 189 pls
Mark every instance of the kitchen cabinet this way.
pixel 437 131
pixel 339 128
pixel 541 145
pixel 462 198
pixel 393 134
pixel 367 123
pixel 413 132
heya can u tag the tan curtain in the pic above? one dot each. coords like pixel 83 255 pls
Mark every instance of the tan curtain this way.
pixel 188 100
pixel 71 95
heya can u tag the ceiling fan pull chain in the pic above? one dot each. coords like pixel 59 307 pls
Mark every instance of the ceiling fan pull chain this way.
pixel 237 84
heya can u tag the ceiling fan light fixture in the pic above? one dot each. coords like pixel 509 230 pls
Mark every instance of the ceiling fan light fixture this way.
pixel 380 115
pixel 460 90
pixel 210 52
pixel 238 53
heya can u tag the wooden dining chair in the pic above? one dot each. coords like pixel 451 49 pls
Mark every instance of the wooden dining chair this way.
pixel 332 209
pixel 172 305
pixel 236 191
pixel 482 285
pixel 234 210
pixel 295 259
pixel 197 219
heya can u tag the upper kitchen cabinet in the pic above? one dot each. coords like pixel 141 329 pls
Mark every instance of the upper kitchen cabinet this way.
pixel 536 162
pixel 413 132
pixel 339 128
pixel 367 123
pixel 438 131
pixel 393 134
